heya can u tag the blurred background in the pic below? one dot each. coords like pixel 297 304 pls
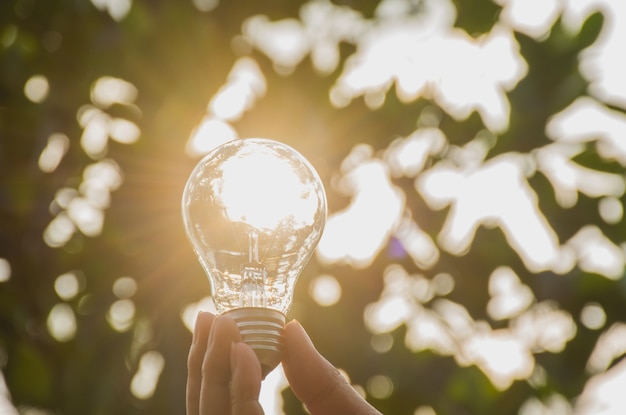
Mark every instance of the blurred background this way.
pixel 474 156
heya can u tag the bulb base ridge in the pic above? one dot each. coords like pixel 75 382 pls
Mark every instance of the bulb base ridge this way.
pixel 262 330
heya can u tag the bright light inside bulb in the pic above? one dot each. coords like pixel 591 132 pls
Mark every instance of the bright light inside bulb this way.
pixel 264 198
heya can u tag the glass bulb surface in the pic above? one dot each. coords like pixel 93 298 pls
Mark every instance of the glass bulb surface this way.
pixel 254 210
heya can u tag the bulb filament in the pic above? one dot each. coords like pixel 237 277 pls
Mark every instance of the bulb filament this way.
pixel 253 275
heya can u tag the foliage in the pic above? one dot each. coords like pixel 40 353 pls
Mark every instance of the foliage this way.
pixel 171 58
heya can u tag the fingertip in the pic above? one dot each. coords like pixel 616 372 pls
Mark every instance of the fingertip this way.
pixel 245 380
pixel 297 337
pixel 225 330
pixel 202 325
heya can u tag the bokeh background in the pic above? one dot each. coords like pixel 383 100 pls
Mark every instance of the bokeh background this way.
pixel 474 156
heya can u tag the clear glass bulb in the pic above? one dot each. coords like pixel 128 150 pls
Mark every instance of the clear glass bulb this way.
pixel 254 210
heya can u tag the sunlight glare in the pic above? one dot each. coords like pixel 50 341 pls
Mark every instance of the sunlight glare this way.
pixel 509 297
pixel 88 219
pixel 98 126
pixel 611 210
pixel 36 88
pixel 611 346
pixel 61 322
pixel 602 63
pixel 597 253
pixel 95 136
pixel 5 270
pixel 424 410
pixel 109 90
pixel 322 27
pixel 422 54
pixel 59 231
pixel 387 314
pixel 396 305
pixel 380 386
pixel 456 317
pixel 408 156
pixel 501 356
pixel 6 406
pixel 105 172
pixel 381 343
pixel 190 312
pixel 206 5
pixel 555 404
pixel 544 327
pixel 67 285
pixel 121 315
pixel 532 17
pixel 123 131
pixel 356 234
pixel 63 197
pixel 427 331
pixel 268 193
pixel 443 284
pixel 146 378
pixel 325 290
pixel 593 316
pixel 212 132
pixel 284 41
pixel 417 243
pixel 495 193
pixel 327 25
pixel 270 397
pixel 245 84
pixel 604 393
pixel 124 287
pixel 569 178
pixel 53 152
pixel 587 120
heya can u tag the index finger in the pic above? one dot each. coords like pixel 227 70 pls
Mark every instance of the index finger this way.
pixel 316 382
pixel 204 321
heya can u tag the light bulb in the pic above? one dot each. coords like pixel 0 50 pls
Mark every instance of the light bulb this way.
pixel 254 210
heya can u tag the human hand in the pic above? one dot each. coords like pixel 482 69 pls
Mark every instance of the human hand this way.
pixel 224 375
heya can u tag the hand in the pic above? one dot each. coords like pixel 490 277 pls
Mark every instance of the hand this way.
pixel 224 375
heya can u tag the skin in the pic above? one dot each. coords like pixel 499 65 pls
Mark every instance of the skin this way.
pixel 224 375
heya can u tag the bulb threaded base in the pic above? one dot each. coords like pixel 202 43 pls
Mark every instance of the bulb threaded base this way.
pixel 262 330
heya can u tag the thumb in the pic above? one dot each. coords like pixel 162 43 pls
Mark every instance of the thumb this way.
pixel 316 382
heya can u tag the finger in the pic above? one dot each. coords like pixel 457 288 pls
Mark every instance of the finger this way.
pixel 246 381
pixel 204 320
pixel 215 389
pixel 316 382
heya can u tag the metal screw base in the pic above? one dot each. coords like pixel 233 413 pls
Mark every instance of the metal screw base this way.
pixel 262 330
